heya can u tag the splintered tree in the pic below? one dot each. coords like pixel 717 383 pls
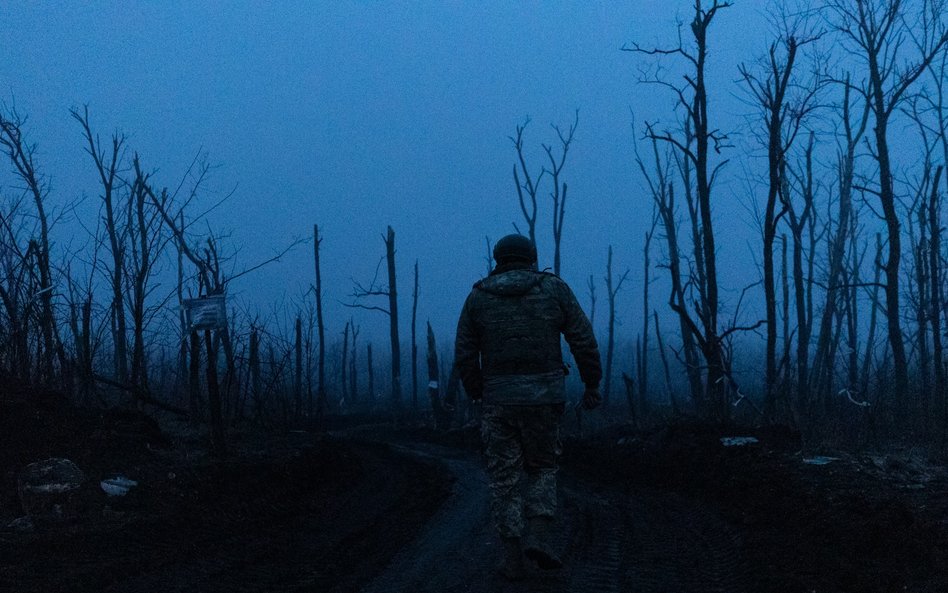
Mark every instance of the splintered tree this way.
pixel 441 415
pixel 694 147
pixel 414 343
pixel 320 326
pixel 529 187
pixel 389 292
pixel 772 84
pixel 663 196
pixel 107 161
pixel 896 46
pixel 840 239
pixel 612 289
pixel 146 242
pixel 21 155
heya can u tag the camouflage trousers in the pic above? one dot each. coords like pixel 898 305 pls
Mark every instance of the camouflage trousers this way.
pixel 521 442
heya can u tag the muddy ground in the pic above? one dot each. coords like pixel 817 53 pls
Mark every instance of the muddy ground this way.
pixel 376 508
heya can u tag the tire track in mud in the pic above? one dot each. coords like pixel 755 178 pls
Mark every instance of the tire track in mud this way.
pixel 275 544
pixel 677 545
pixel 645 541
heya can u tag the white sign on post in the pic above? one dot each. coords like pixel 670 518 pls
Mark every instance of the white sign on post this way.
pixel 205 313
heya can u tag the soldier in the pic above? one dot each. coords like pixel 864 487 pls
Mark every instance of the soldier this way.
pixel 508 354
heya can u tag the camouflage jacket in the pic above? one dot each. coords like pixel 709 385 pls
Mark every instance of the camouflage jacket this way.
pixel 507 348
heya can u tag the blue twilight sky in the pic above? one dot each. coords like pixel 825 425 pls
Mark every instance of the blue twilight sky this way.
pixel 359 115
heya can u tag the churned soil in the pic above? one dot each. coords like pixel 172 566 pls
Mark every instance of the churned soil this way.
pixel 292 512
pixel 867 522
pixel 369 507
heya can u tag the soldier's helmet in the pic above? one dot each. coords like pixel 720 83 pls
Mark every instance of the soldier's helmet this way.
pixel 515 247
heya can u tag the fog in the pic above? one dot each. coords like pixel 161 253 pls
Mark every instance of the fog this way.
pixel 357 115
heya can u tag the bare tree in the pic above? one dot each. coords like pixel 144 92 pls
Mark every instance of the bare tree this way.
pixel 558 193
pixel 353 368
pixel 528 189
pixel 344 367
pixel 298 370
pixel 321 327
pixel 612 288
pixel 21 154
pixel 391 295
pixel 414 343
pixel 107 161
pixel 591 288
pixel 800 221
pixel 853 130
pixel 646 282
pixel 663 195
pixel 879 31
pixel 771 84
pixel 695 145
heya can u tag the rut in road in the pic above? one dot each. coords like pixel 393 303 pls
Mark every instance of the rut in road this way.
pixel 646 541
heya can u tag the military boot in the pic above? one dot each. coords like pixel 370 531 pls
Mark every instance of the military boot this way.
pixel 538 544
pixel 511 566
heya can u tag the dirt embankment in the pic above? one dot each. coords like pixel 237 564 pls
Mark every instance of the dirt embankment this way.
pixel 861 523
pixel 291 513
pixel 670 510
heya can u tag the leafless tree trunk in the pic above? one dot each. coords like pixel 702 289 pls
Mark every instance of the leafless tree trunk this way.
pixel 218 441
pixel 668 380
pixel 646 281
pixel 695 146
pixel 558 194
pixel 391 311
pixel 663 195
pixel 612 288
pixel 434 386
pixel 353 375
pixel 344 367
pixel 937 296
pixel 298 374
pixel 107 164
pixel 874 308
pixel 823 364
pixel 393 318
pixel 878 32
pixel 256 385
pixel 146 243
pixel 414 343
pixel 21 155
pixel 321 327
pixel 528 188
pixel 783 115
pixel 371 372
pixel 591 286
pixel 798 224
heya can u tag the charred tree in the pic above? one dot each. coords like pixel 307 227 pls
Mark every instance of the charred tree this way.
pixel 107 162
pixel 783 114
pixel 612 289
pixel 21 155
pixel 320 326
pixel 344 367
pixel 414 343
pixel 391 295
pixel 877 33
pixel 663 195
pixel 695 145
pixel 853 131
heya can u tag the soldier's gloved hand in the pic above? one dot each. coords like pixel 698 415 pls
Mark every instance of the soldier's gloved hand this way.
pixel 591 398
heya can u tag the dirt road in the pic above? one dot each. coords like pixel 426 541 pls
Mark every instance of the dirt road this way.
pixel 611 542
